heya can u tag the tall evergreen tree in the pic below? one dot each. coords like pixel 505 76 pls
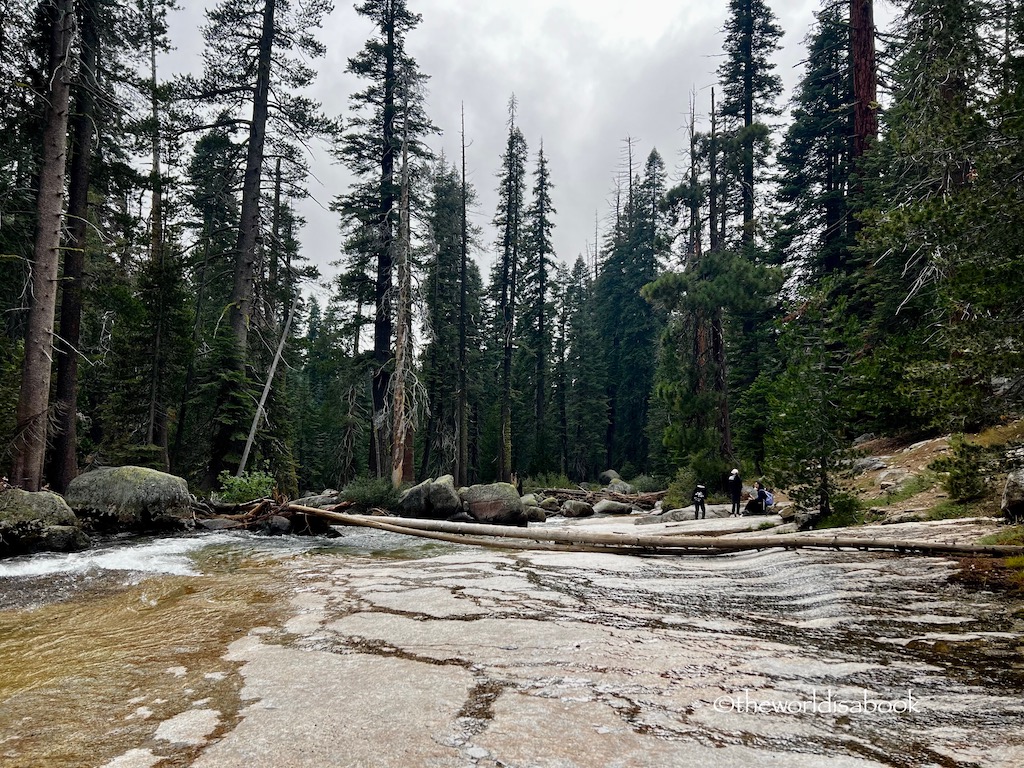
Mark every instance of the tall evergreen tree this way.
pixel 389 108
pixel 505 281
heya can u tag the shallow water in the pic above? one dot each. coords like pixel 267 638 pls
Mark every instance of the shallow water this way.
pixel 118 656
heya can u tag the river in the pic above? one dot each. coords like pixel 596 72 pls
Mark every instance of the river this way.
pixel 375 649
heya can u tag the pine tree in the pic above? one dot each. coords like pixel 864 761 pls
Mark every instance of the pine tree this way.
pixel 505 281
pixel 388 109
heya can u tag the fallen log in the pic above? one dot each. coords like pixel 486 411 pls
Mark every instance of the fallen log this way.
pixel 632 543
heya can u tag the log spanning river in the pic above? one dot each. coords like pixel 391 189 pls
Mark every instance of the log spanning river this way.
pixel 375 649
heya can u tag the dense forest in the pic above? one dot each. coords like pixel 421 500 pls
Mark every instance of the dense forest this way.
pixel 845 263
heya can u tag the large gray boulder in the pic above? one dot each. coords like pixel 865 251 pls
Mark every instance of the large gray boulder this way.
pixel 576 508
pixel 1013 496
pixel 494 504
pixel 620 486
pixel 607 476
pixel 443 498
pixel 609 507
pixel 431 499
pixel 131 498
pixel 33 522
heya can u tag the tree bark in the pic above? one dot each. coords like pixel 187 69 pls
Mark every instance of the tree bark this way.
pixel 63 457
pixel 34 398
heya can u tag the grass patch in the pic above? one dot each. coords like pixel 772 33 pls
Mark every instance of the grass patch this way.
pixel 546 480
pixel 914 485
pixel 765 526
pixel 1013 535
pixel 1001 435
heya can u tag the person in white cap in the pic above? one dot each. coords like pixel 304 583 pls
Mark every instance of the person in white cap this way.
pixel 735 484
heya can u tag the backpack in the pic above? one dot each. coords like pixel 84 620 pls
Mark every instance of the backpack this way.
pixel 769 498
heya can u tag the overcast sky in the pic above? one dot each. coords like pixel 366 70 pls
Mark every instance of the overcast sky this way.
pixel 586 74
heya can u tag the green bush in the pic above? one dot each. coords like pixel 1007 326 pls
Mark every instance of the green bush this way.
pixel 371 492
pixel 250 486
pixel 547 480
pixel 965 480
pixel 847 510
pixel 680 490
pixel 647 484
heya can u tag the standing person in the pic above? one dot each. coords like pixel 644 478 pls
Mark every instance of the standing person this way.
pixel 735 483
pixel 757 503
pixel 700 494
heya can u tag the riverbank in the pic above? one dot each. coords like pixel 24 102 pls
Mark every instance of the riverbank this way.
pixel 394 653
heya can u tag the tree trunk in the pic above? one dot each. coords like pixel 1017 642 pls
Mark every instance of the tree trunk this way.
pixel 382 326
pixel 64 458
pixel 34 399
pixel 462 468
pixel 865 76
pixel 401 425
pixel 246 250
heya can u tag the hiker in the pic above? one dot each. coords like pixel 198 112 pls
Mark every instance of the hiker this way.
pixel 758 500
pixel 735 484
pixel 700 493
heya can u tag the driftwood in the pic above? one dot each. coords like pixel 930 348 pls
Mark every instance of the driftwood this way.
pixel 471 533
pixel 639 500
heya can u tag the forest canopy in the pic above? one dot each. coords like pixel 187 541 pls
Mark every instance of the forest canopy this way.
pixel 798 272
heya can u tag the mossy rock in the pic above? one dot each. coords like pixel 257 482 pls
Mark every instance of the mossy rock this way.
pixel 131 498
pixel 31 522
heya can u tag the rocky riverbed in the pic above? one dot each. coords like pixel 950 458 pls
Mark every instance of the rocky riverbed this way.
pixel 378 650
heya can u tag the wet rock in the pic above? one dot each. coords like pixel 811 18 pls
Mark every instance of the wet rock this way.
pixel 1012 503
pixel 550 504
pixel 607 476
pixel 535 514
pixel 36 522
pixel 609 507
pixel 530 500
pixel 494 504
pixel 134 498
pixel 574 508
pixel 277 525
pixel 215 524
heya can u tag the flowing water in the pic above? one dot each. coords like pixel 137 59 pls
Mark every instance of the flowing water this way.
pixel 151 652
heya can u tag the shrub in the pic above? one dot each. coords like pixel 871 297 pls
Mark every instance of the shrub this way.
pixel 247 487
pixel 547 480
pixel 647 484
pixel 370 492
pixel 846 510
pixel 680 490
pixel 965 480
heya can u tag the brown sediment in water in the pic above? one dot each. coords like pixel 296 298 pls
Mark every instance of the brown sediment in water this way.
pixel 83 680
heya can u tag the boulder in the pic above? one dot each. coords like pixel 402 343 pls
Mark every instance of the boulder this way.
pixel 413 502
pixel 535 514
pixel 33 522
pixel 328 498
pixel 550 504
pixel 133 498
pixel 574 508
pixel 1012 504
pixel 607 476
pixel 494 504
pixel 442 498
pixel 620 486
pixel 276 525
pixel 609 507
pixel 530 500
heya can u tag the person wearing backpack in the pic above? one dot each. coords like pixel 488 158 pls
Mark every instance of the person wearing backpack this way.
pixel 758 501
pixel 700 495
